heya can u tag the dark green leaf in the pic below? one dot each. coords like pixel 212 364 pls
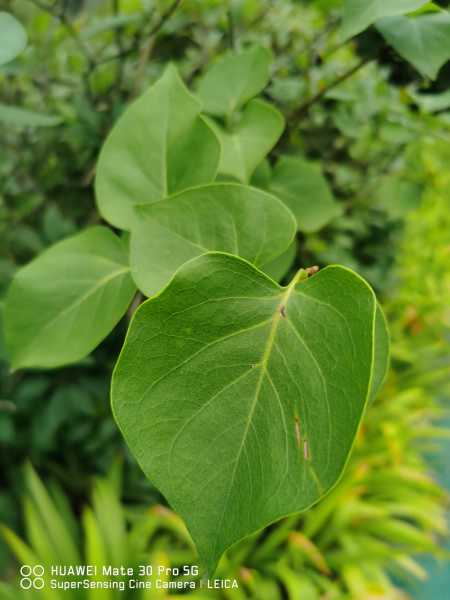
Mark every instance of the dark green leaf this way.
pixel 241 399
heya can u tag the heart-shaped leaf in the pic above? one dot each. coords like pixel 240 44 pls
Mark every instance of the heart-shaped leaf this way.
pixel 245 146
pixel 62 305
pixel 148 154
pixel 241 399
pixel 304 189
pixel 228 217
pixel 13 37
pixel 360 14
pixel 234 80
pixel 424 41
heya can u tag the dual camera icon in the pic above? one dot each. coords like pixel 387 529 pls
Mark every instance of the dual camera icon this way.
pixel 32 577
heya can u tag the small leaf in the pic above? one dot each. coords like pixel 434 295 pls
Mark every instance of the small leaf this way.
pixel 62 305
pixel 234 80
pixel 241 399
pixel 13 37
pixel 20 117
pixel 250 141
pixel 360 14
pixel 424 41
pixel 301 185
pixel 223 216
pixel 148 154
pixel 381 357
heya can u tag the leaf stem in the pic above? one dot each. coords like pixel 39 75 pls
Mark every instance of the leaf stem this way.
pixel 304 108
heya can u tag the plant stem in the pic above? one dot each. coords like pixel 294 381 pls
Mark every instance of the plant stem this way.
pixel 231 29
pixel 301 110
pixel 148 47
pixel 73 33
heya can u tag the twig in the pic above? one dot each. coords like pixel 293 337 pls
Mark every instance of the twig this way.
pixel 118 36
pixel 165 16
pixel 231 29
pixel 304 108
pixel 148 47
pixel 67 24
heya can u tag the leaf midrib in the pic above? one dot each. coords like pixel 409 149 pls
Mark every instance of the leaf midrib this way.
pixel 263 372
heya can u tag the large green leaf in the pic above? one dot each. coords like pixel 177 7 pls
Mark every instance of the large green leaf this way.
pixel 21 117
pixel 223 216
pixel 241 399
pixel 234 80
pixel 424 41
pixel 13 37
pixel 62 305
pixel 246 144
pixel 302 186
pixel 360 14
pixel 149 153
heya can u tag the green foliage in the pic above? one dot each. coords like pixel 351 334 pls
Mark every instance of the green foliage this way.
pixel 424 40
pixel 231 343
pixel 104 535
pixel 234 80
pixel 302 186
pixel 20 117
pixel 13 37
pixel 52 321
pixel 249 140
pixel 148 155
pixel 360 14
pixel 212 217
pixel 362 131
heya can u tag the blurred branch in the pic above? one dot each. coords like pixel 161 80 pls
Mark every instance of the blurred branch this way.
pixel 148 47
pixel 61 16
pixel 66 22
pixel 165 17
pixel 118 37
pixel 231 29
pixel 304 108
